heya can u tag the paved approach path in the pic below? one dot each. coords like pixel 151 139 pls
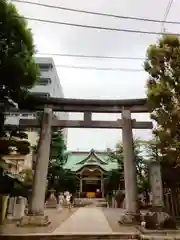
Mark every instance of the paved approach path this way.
pixel 85 220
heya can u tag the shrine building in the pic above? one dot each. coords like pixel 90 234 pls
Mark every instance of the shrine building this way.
pixel 91 168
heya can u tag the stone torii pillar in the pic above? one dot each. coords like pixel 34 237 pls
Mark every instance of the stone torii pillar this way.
pixel 36 207
pixel 129 170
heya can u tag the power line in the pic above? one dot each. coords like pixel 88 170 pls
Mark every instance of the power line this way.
pixel 97 13
pixel 98 27
pixel 91 56
pixel 100 69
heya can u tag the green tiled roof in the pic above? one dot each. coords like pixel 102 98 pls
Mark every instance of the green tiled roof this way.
pixel 77 161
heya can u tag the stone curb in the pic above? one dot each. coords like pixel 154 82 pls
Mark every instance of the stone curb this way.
pixel 66 236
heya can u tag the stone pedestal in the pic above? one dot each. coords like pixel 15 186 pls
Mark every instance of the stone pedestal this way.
pixel 36 206
pixel 12 202
pixel 36 220
pixel 52 201
pixel 132 215
pixel 19 208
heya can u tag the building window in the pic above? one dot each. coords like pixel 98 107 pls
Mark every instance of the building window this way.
pixel 31 129
pixel 12 114
pixel 26 115
pixel 44 81
pixel 44 67
pixel 40 94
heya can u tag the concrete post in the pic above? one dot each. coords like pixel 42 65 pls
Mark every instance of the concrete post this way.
pixel 156 184
pixel 129 167
pixel 40 175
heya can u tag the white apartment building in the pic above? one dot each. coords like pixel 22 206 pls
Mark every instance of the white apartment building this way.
pixel 49 85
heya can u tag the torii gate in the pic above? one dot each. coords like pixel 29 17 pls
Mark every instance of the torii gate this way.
pixel 48 105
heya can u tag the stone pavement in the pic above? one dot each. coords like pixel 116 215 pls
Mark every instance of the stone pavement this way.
pixel 113 215
pixel 85 220
pixel 83 223
pixel 56 218
pixel 91 221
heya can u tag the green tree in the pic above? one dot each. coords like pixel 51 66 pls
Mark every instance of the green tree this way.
pixel 150 149
pixel 24 187
pixel 141 166
pixel 117 155
pixel 27 175
pixel 58 157
pixel 59 178
pixel 163 90
pixel 18 70
pixel 142 163
pixel 114 177
pixel 58 148
pixel 112 180
pixel 14 141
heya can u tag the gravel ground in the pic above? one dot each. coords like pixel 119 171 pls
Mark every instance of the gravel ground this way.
pixel 56 218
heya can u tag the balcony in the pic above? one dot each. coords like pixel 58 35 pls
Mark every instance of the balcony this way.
pixel 44 67
pixel 44 81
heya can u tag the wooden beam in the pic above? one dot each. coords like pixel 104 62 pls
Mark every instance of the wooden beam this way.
pixel 33 123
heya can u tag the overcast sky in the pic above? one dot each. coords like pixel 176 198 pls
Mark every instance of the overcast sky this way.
pixel 78 83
